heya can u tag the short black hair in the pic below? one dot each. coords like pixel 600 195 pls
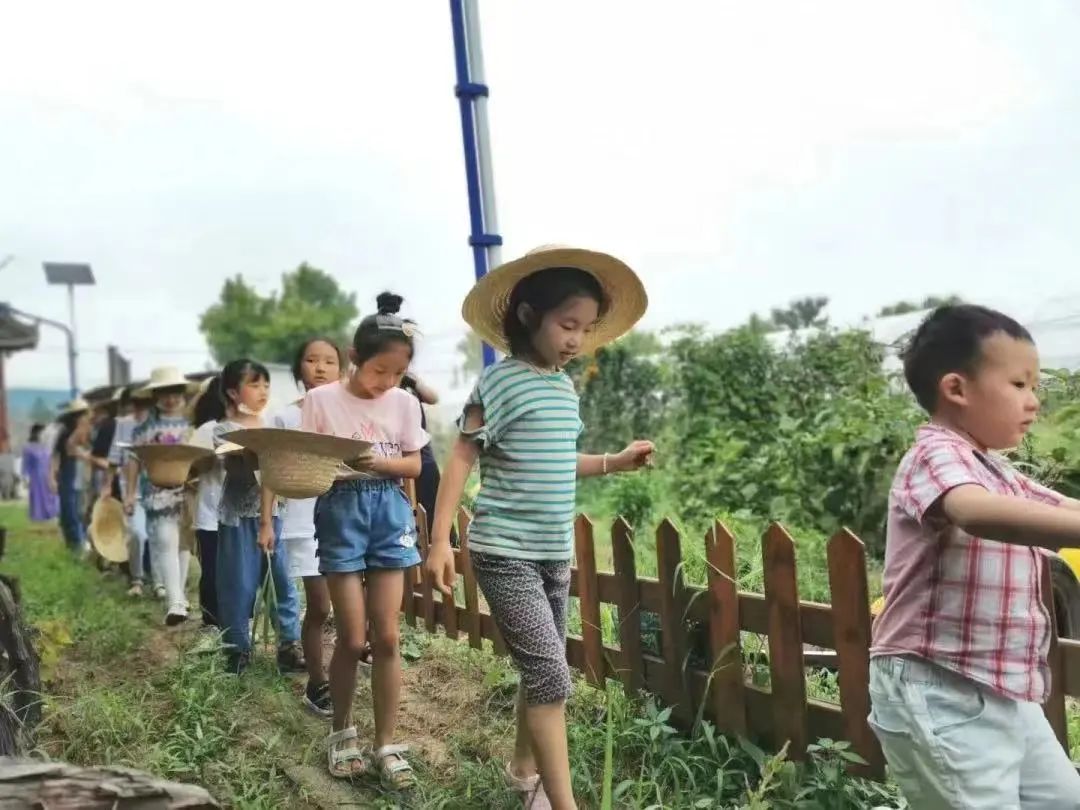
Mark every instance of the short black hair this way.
pixel 298 358
pixel 950 340
pixel 35 431
pixel 544 291
pixel 236 373
pixel 377 332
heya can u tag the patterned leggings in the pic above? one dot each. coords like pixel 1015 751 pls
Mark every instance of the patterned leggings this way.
pixel 528 602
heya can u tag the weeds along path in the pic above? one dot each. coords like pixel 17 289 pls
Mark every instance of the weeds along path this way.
pixel 121 689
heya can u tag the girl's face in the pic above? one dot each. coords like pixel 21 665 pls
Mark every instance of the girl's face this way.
pixel 562 330
pixel 252 395
pixel 383 372
pixel 320 365
pixel 171 401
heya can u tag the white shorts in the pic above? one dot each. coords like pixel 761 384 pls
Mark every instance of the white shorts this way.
pixel 300 552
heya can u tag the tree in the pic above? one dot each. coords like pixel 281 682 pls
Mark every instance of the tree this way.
pixel 930 302
pixel 801 314
pixel 471 356
pixel 245 324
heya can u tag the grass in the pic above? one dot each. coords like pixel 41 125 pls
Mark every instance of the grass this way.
pixel 124 691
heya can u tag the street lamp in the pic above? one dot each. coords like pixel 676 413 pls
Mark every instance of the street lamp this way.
pixel 69 274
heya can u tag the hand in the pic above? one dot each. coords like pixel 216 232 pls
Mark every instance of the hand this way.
pixel 266 537
pixel 129 506
pixel 364 463
pixel 53 486
pixel 637 454
pixel 439 565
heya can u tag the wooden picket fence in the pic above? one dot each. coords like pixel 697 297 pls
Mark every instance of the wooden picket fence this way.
pixel 723 694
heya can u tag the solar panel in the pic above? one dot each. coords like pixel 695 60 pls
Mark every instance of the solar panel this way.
pixel 68 273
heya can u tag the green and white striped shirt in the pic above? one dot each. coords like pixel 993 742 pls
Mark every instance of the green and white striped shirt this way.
pixel 528 462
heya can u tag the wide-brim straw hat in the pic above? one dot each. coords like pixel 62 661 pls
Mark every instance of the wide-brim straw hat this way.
pixel 168 465
pixel 77 405
pixel 625 298
pixel 166 377
pixel 296 463
pixel 108 530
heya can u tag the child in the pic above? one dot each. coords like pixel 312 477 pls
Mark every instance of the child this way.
pixel 241 557
pixel 959 660
pixel 319 361
pixel 72 446
pixel 135 406
pixel 166 424
pixel 365 526
pixel 207 410
pixel 522 422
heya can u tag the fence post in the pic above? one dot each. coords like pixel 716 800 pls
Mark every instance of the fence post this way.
pixel 785 641
pixel 673 621
pixel 472 600
pixel 1054 708
pixel 449 602
pixel 851 629
pixel 628 602
pixel 589 601
pixel 728 693
pixel 427 589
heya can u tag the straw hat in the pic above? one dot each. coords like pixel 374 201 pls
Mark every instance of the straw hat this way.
pixel 486 304
pixel 296 463
pixel 168 465
pixel 108 530
pixel 166 377
pixel 77 405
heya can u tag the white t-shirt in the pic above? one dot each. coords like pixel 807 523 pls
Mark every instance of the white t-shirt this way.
pixel 211 482
pixel 298 515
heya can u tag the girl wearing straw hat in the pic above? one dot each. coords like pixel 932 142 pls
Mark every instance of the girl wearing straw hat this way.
pixel 135 405
pixel 366 532
pixel 522 422
pixel 165 424
pixel 72 446
pixel 241 558
pixel 318 361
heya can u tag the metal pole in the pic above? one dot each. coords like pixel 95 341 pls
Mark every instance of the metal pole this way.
pixel 469 89
pixel 72 351
pixel 483 136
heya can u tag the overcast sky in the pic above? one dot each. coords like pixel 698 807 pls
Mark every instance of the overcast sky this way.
pixel 738 155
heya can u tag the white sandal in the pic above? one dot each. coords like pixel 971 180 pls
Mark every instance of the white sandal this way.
pixel 336 757
pixel 531 789
pixel 395 772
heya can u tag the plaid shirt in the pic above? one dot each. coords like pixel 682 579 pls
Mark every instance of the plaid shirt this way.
pixel 971 605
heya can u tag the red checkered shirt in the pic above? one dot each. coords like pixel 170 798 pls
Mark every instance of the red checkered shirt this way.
pixel 971 605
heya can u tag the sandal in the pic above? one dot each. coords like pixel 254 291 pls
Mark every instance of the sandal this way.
pixel 395 772
pixel 531 789
pixel 342 762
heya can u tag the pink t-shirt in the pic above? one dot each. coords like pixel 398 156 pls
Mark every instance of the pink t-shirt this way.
pixel 391 423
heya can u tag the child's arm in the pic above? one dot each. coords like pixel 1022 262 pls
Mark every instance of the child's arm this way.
pixel 131 471
pixel 1010 519
pixel 266 520
pixel 634 457
pixel 463 455
pixel 408 466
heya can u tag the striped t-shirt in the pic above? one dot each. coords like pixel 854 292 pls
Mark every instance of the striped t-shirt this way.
pixel 528 462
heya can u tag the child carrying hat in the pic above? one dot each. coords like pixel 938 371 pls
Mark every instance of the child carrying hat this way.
pixel 522 423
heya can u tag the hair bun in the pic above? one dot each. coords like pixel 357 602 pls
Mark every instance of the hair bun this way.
pixel 389 303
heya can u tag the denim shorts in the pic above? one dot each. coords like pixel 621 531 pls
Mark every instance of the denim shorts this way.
pixel 951 743
pixel 365 524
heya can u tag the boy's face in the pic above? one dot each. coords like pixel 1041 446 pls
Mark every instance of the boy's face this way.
pixel 996 405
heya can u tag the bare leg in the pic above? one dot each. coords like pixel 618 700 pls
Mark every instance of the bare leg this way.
pixel 347 597
pixel 547 727
pixel 318 608
pixel 384 593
